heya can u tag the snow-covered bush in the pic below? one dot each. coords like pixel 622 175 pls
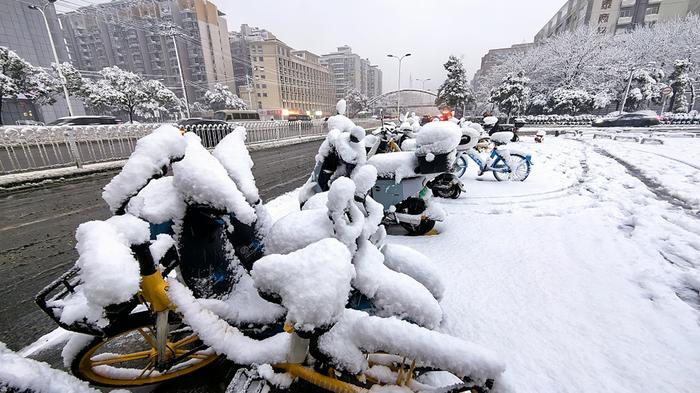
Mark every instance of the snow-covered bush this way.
pixel 222 98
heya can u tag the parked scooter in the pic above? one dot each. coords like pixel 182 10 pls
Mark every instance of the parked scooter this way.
pixel 539 137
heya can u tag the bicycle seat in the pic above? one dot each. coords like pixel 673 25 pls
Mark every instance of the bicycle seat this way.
pixel 501 137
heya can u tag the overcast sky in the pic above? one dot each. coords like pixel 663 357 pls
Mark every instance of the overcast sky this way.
pixel 429 30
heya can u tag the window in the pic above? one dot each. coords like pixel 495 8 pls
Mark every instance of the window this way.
pixel 626 13
pixel 602 30
pixel 603 18
pixel 652 9
pixel 606 5
pixel 264 94
pixel 264 86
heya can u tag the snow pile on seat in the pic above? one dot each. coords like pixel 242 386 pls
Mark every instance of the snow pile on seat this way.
pixel 393 293
pixel 409 145
pixel 152 153
pixel 395 166
pixel 313 283
pixel 438 138
pixel 340 122
pixel 203 180
pixel 234 156
pixel 357 333
pixel 222 337
pixel 108 271
pixel 19 374
pixel 158 202
pixel 413 263
pixel 348 220
pixel 296 231
pixel 243 305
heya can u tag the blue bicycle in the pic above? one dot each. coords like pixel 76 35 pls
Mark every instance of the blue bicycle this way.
pixel 515 168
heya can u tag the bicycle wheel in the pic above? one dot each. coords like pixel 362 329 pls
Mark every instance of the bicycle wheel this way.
pixel 519 169
pixel 460 166
pixel 127 355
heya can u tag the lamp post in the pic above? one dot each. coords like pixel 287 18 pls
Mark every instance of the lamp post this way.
pixel 172 33
pixel 55 54
pixel 398 99
pixel 423 81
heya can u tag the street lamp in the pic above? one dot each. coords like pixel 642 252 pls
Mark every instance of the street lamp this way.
pixel 423 80
pixel 398 99
pixel 55 55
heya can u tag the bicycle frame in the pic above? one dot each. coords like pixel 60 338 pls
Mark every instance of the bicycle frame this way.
pixel 497 158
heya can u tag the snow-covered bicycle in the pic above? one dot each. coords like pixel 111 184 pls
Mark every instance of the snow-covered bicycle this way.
pixel 505 163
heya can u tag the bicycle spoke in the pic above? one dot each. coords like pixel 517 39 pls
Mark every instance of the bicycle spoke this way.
pixel 185 341
pixel 151 340
pixel 150 366
pixel 122 358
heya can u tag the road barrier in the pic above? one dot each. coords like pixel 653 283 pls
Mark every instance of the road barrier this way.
pixel 33 148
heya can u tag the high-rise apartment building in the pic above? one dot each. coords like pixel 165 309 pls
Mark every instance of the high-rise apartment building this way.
pixel 614 16
pixel 24 32
pixel 136 35
pixel 287 81
pixel 349 72
pixel 240 42
pixel 494 57
pixel 374 81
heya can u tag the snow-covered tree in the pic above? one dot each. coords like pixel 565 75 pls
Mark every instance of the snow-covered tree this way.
pixel 680 82
pixel 158 100
pixel 455 92
pixel 18 76
pixel 75 83
pixel 357 102
pixel 512 94
pixel 646 89
pixel 222 98
pixel 570 101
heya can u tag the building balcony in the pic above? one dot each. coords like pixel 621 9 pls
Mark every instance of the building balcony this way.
pixel 628 3
pixel 624 20
pixel 651 18
pixel 654 2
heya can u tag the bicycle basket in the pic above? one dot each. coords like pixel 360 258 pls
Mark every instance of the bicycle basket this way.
pixel 50 299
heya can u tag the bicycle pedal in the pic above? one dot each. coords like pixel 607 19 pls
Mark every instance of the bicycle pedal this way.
pixel 247 381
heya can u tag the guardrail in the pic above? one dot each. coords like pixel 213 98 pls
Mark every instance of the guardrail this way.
pixel 33 148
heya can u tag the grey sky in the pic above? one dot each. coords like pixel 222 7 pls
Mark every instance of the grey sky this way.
pixel 430 30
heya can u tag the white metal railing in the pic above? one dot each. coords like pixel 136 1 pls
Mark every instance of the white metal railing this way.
pixel 32 148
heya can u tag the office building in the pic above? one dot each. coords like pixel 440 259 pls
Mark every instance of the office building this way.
pixel 136 35
pixel 240 42
pixel 350 72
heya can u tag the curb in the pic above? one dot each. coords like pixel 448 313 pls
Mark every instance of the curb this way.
pixel 26 180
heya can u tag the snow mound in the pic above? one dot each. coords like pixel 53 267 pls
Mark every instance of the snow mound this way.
pixel 158 202
pixel 313 283
pixel 203 180
pixel 393 293
pixel 296 231
pixel 395 166
pixel 348 220
pixel 152 153
pixel 438 138
pixel 20 374
pixel 357 333
pixel 234 156
pixel 224 338
pixel 364 178
pixel 411 262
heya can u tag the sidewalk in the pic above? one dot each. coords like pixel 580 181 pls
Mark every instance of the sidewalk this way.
pixel 17 181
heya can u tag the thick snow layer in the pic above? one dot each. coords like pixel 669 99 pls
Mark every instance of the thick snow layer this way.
pixel 203 180
pixel 364 178
pixel 580 277
pixel 313 283
pixel 411 262
pixel 357 332
pixel 158 202
pixel 152 153
pixel 234 156
pixel 224 338
pixel 340 123
pixel 347 218
pixel 395 165
pixel 393 293
pixel 298 230
pixel 438 138
pixel 160 246
pixel 20 374
pixel 108 270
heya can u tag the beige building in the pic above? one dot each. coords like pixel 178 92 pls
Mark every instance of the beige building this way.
pixel 615 16
pixel 288 81
pixel 132 35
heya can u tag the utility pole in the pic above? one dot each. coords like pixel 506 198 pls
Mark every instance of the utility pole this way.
pixel 398 99
pixel 172 34
pixel 627 90
pixel 249 88
pixel 55 54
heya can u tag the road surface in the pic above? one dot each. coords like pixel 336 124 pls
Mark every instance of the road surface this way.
pixel 37 229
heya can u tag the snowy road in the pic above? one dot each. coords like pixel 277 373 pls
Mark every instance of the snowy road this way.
pixel 37 230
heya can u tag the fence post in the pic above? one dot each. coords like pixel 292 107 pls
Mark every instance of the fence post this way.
pixel 73 145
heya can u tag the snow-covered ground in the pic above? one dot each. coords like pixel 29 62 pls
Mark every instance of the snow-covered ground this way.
pixel 582 277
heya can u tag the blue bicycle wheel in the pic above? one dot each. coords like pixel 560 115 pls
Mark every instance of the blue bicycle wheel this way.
pixel 460 166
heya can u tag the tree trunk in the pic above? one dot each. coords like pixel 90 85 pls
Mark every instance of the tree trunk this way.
pixel 1 108
pixel 131 114
pixel 692 97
